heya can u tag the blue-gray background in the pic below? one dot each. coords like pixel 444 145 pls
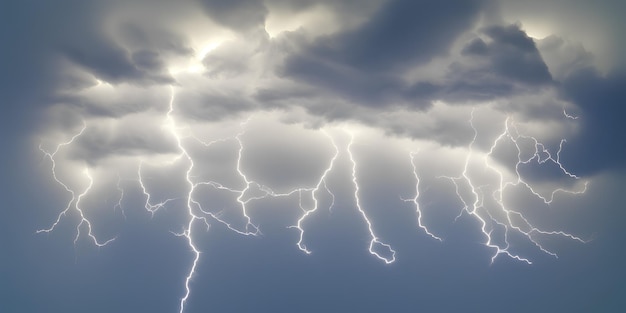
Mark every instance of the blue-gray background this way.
pixel 143 270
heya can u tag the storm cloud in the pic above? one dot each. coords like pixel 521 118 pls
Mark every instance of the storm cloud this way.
pixel 415 134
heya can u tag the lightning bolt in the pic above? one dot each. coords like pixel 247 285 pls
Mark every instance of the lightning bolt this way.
pixel 314 191
pixel 195 211
pixel 152 208
pixel 120 190
pixel 374 240
pixel 567 115
pixel 418 211
pixel 75 199
pixel 475 205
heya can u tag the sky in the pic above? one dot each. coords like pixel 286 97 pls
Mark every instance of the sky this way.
pixel 312 156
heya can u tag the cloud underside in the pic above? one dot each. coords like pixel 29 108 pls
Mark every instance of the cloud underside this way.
pixel 409 68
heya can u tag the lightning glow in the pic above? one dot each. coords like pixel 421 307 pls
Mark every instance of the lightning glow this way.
pixel 485 203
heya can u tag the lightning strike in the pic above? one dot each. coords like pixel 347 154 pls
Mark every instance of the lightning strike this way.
pixel 375 242
pixel 314 191
pixel 75 199
pixel 567 115
pixel 415 201
pixel 475 207
pixel 152 208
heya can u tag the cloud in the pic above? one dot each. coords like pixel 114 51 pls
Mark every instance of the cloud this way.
pixel 239 15
pixel 365 64
pixel 600 144
pixel 409 68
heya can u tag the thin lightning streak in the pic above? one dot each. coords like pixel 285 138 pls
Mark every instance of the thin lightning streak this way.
pixel 539 149
pixel 567 115
pixel 314 191
pixel 54 175
pixel 83 219
pixel 152 208
pixel 250 229
pixel 75 199
pixel 374 240
pixel 118 205
pixel 415 201
pixel 248 184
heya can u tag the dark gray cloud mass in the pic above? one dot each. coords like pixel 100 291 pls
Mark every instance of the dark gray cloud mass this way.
pixel 600 145
pixel 364 64
pixel 240 15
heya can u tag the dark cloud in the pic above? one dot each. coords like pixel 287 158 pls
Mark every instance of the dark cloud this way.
pixel 514 55
pixel 362 64
pixel 365 65
pixel 52 48
pixel 600 144
pixel 563 57
pixel 146 59
pixel 240 15
pixel 212 104
pixel 507 62
pixel 112 140
pixel 401 33
pixel 112 63
pixel 154 38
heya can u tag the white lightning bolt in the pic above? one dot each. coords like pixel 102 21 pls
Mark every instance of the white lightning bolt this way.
pixel 375 241
pixel 194 207
pixel 75 199
pixel 418 210
pixel 152 208
pixel 571 117
pixel 314 191
pixel 118 205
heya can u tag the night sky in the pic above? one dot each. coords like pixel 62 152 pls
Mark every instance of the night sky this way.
pixel 313 156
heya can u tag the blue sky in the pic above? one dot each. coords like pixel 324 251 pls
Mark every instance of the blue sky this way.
pixel 312 156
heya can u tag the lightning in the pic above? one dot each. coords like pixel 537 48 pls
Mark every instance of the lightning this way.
pixel 415 201
pixel 120 190
pixel 314 191
pixel 75 201
pixel 475 207
pixel 152 208
pixel 485 203
pixel 375 242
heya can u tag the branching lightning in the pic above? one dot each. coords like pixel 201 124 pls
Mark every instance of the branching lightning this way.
pixel 475 207
pixel 75 200
pixel 484 203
